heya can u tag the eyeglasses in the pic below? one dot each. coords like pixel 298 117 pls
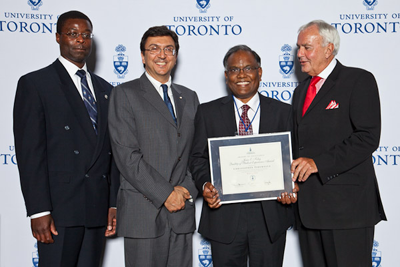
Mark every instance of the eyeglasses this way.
pixel 246 70
pixel 75 35
pixel 155 50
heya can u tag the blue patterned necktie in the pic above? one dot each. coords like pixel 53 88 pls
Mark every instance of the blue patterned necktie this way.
pixel 168 101
pixel 88 99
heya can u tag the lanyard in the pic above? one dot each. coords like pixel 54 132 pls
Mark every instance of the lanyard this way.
pixel 245 128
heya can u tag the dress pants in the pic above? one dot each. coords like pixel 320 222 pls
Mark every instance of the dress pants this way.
pixel 168 250
pixel 73 247
pixel 251 244
pixel 336 248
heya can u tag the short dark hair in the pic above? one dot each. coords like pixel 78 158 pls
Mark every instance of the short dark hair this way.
pixel 241 48
pixel 73 14
pixel 159 31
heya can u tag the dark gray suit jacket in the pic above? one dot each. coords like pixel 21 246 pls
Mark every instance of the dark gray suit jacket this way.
pixel 64 167
pixel 344 193
pixel 152 155
pixel 217 119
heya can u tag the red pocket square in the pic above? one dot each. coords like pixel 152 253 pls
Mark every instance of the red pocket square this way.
pixel 332 105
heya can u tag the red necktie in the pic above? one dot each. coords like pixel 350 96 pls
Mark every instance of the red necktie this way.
pixel 244 123
pixel 311 92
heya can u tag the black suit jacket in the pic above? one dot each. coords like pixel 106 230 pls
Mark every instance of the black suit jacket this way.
pixel 217 119
pixel 344 193
pixel 64 167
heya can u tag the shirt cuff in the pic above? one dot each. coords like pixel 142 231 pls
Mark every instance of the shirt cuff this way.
pixel 40 214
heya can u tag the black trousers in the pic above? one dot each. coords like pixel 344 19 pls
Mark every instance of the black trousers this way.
pixel 251 243
pixel 336 248
pixel 73 247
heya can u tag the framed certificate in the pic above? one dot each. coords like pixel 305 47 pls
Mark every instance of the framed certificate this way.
pixel 252 167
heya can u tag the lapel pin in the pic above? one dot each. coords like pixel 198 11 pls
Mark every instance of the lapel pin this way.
pixel 180 97
pixel 106 96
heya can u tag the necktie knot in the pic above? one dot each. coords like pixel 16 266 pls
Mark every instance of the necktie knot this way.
pixel 315 80
pixel 81 73
pixel 165 88
pixel 245 108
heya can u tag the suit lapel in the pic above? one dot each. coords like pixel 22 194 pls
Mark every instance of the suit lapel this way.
pixel 266 116
pixel 228 115
pixel 76 103
pixel 102 114
pixel 154 99
pixel 180 103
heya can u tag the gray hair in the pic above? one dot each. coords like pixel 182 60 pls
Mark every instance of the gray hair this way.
pixel 237 48
pixel 328 33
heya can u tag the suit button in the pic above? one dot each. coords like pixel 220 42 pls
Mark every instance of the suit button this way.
pixel 104 176
pixel 109 153
pixel 301 148
pixel 66 127
pixel 87 175
pixel 179 134
pixel 179 159
pixel 76 152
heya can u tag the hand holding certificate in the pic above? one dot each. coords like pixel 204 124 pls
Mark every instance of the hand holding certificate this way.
pixel 251 168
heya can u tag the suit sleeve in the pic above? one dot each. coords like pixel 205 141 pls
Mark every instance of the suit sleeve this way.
pixel 365 118
pixel 30 146
pixel 127 153
pixel 199 159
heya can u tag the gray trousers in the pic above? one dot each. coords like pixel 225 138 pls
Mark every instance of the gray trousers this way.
pixel 170 250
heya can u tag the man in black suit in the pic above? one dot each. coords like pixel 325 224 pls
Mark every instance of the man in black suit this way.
pixel 254 230
pixel 334 138
pixel 68 177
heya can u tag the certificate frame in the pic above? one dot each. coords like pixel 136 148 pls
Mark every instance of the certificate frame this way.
pixel 252 167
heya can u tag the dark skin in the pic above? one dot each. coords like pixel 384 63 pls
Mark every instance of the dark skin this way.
pixel 243 86
pixel 76 51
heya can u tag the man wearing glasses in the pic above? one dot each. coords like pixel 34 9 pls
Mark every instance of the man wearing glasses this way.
pixel 151 123
pixel 68 177
pixel 253 232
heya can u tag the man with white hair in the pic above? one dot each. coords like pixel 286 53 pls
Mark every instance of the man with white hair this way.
pixel 337 124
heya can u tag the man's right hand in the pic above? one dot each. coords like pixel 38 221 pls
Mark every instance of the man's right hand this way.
pixel 210 194
pixel 43 228
pixel 176 200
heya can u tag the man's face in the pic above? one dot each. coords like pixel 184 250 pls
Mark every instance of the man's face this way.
pixel 243 84
pixel 75 50
pixel 312 56
pixel 159 65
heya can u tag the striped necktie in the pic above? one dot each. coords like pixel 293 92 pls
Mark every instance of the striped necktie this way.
pixel 88 99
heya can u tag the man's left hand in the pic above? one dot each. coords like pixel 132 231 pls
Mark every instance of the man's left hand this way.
pixel 111 222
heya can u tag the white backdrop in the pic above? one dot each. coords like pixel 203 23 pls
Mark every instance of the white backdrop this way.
pixel 369 31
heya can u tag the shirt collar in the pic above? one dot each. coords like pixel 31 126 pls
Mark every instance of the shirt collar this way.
pixel 328 70
pixel 71 67
pixel 252 103
pixel 156 83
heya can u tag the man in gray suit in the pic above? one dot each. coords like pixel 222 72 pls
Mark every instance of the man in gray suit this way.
pixel 151 122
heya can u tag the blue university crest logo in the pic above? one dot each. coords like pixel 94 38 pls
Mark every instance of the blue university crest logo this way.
pixel 35 257
pixel 35 4
pixel 203 5
pixel 286 61
pixel 376 255
pixel 120 62
pixel 205 257
pixel 370 4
